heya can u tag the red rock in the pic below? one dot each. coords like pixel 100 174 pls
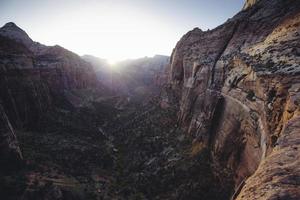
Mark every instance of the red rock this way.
pixel 234 87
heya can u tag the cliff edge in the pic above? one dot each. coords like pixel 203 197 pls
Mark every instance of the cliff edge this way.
pixel 238 90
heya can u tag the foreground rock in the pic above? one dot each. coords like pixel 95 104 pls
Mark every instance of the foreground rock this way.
pixel 238 89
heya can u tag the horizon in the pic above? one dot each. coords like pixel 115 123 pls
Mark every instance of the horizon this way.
pixel 100 28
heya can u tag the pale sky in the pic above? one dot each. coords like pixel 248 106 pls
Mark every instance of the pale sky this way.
pixel 115 29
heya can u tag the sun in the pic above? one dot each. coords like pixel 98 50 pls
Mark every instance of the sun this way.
pixel 112 62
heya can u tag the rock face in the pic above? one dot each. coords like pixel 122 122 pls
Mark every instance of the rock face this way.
pixel 278 175
pixel 33 78
pixel 31 74
pixel 10 154
pixel 238 90
pixel 249 3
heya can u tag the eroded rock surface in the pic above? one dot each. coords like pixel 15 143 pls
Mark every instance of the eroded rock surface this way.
pixel 34 79
pixel 234 87
pixel 32 74
pixel 10 153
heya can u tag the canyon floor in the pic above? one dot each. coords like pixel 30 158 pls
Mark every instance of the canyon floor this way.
pixel 102 151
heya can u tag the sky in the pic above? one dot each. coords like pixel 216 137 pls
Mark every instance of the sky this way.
pixel 115 29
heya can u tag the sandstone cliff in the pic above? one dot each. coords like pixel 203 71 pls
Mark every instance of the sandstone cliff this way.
pixel 32 73
pixel 238 90
pixel 33 79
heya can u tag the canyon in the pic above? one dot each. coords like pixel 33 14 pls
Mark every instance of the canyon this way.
pixel 219 119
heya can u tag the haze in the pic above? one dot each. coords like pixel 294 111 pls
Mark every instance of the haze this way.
pixel 115 29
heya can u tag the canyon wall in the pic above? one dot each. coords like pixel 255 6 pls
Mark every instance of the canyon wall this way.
pixel 238 90
pixel 34 78
pixel 10 153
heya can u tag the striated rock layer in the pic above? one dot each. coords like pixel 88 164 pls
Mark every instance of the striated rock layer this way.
pixel 238 90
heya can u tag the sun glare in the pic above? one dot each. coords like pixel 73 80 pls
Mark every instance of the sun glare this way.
pixel 103 30
pixel 112 62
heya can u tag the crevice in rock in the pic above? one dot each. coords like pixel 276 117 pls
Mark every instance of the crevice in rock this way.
pixel 238 189
pixel 216 120
pixel 227 42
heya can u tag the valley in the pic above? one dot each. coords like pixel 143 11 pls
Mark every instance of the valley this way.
pixel 94 153
pixel 218 120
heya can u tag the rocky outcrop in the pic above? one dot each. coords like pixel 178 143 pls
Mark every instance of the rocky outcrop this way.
pixel 234 83
pixel 249 4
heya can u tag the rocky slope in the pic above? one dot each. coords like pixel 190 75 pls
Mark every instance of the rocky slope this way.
pixel 34 78
pixel 238 90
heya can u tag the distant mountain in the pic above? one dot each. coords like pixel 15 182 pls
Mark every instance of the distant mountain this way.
pixel 157 62
pixel 101 67
pixel 130 75
pixel 97 63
